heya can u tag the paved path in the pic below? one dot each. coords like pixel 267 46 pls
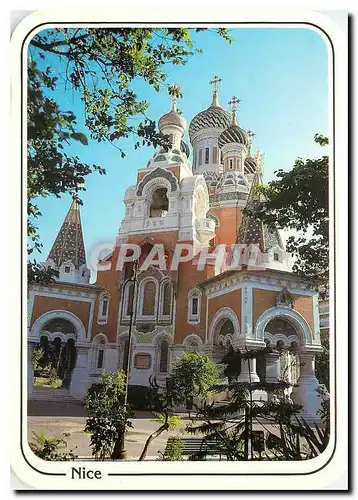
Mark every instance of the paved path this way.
pixel 71 419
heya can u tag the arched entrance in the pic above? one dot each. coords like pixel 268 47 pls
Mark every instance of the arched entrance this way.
pixel 57 345
pixel 283 362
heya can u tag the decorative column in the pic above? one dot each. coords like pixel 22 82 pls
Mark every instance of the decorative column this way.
pixel 80 374
pixel 273 366
pixel 306 394
pixel 248 371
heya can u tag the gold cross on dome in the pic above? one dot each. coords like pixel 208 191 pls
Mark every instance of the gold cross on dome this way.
pixel 233 103
pixel 215 83
pixel 250 134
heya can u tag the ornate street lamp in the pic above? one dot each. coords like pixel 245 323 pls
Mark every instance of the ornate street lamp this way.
pixel 133 302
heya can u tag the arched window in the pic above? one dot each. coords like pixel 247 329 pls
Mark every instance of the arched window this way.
pixel 164 357
pixel 99 348
pixel 207 155
pixel 166 299
pixel 103 309
pixel 200 157
pixel 215 154
pixel 159 203
pixel 148 298
pixel 194 306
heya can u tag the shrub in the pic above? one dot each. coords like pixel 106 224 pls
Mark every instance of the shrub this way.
pixel 47 448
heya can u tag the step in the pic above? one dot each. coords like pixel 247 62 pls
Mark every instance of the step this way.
pixel 54 395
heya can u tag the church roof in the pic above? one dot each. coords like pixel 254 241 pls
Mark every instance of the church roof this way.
pixel 212 117
pixel 233 134
pixel 253 231
pixel 69 244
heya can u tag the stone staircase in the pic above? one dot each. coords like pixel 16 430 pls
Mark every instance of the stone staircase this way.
pixel 60 395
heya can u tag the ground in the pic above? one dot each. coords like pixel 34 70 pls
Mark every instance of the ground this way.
pixel 70 418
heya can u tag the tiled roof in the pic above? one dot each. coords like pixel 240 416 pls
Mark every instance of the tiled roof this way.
pixel 213 117
pixel 233 134
pixel 69 244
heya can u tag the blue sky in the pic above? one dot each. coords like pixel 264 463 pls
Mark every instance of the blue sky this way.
pixel 281 77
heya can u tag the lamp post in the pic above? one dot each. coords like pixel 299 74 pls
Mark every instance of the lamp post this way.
pixel 127 367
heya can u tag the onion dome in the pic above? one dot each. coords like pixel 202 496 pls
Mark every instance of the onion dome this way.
pixel 233 134
pixel 250 165
pixel 172 118
pixel 213 117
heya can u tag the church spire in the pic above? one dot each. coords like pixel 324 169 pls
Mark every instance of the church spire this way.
pixel 69 244
pixel 215 82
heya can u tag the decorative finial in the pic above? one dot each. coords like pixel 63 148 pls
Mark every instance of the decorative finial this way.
pixel 215 83
pixel 175 92
pixel 259 162
pixel 233 103
pixel 251 135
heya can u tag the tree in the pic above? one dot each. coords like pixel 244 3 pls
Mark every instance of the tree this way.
pixel 104 66
pixel 298 200
pixel 194 376
pixel 108 416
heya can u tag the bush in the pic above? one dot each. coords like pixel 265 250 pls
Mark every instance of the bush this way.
pixel 47 448
pixel 174 450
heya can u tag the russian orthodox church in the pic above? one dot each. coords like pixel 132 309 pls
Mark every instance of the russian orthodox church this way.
pixel 209 305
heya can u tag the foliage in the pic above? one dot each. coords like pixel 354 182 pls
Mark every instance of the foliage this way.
pixel 54 382
pixel 231 423
pixel 47 448
pixel 322 364
pixel 298 201
pixel 194 376
pixel 104 66
pixel 108 416
pixel 36 356
pixel 173 451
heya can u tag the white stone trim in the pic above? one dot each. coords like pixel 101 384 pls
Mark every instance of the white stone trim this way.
pixel 296 319
pixel 233 283
pixel 190 338
pixel 57 293
pixel 246 311
pixel 221 314
pixel 37 327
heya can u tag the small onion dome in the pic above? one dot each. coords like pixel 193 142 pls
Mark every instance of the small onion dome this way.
pixel 250 165
pixel 233 134
pixel 213 117
pixel 184 148
pixel 172 118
